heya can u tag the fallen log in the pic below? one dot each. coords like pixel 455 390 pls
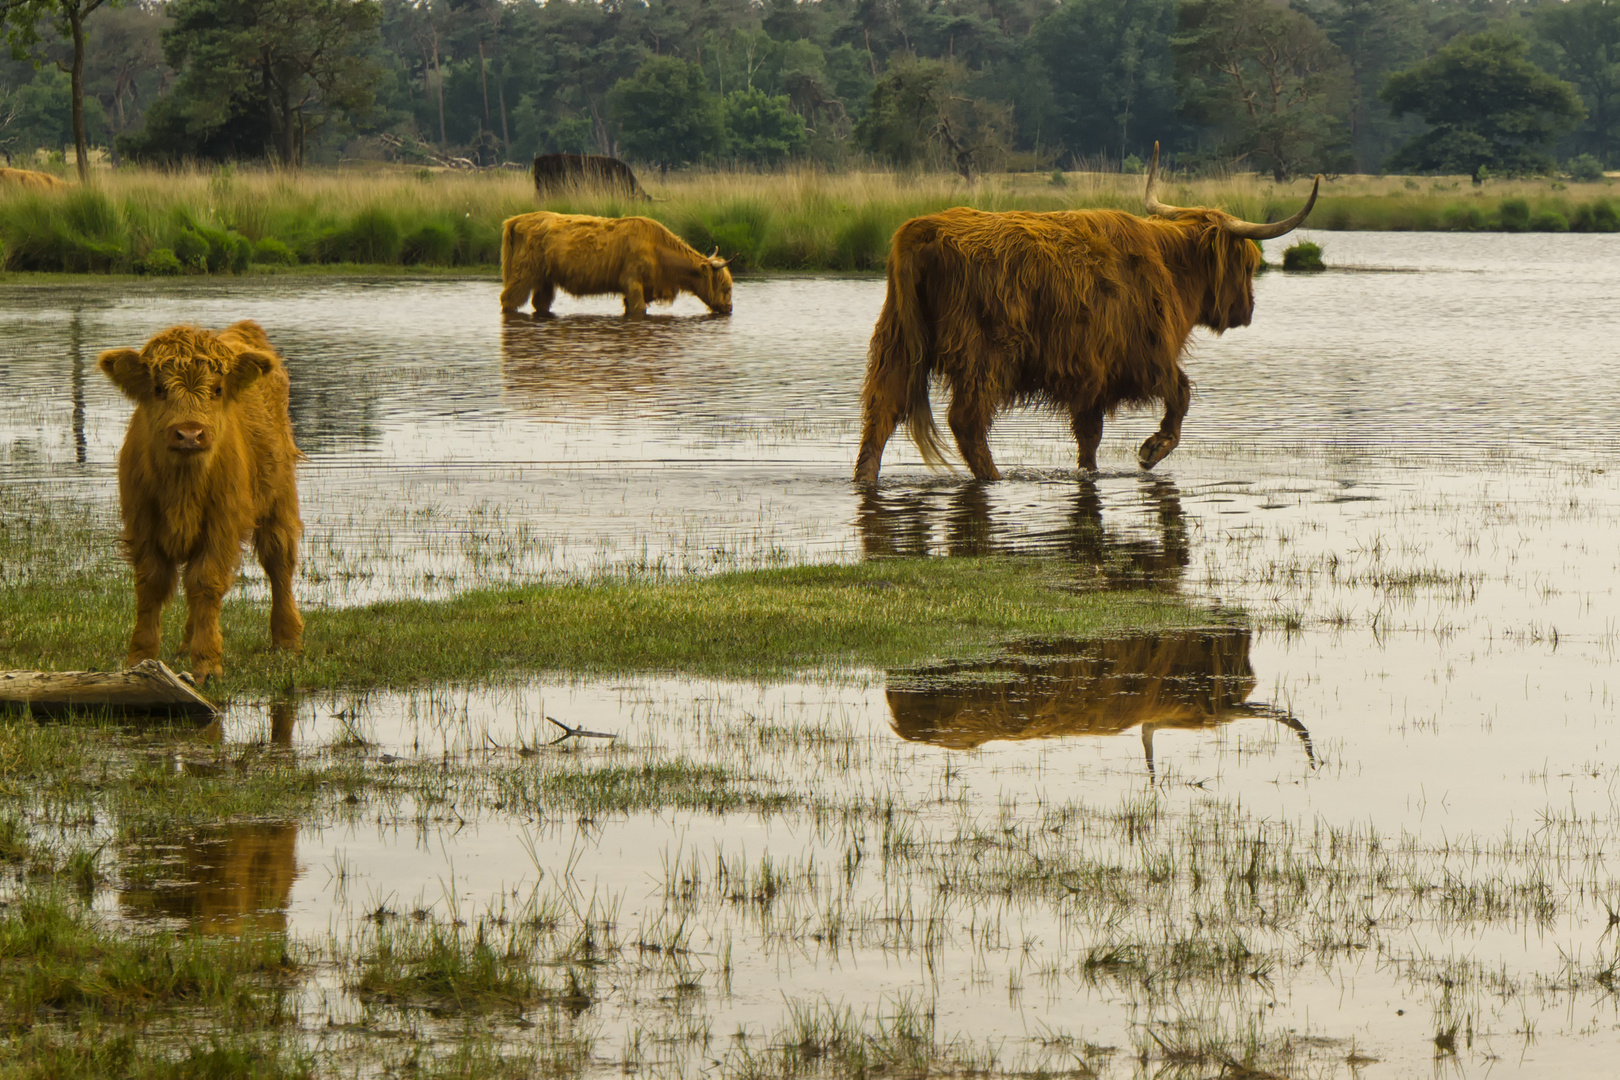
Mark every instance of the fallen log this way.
pixel 149 688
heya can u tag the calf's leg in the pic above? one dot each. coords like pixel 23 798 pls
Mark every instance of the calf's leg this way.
pixel 276 543
pixel 1088 430
pixel 1160 443
pixel 208 577
pixel 970 422
pixel 154 584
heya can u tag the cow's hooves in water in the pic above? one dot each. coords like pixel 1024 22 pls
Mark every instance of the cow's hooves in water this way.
pixel 1153 451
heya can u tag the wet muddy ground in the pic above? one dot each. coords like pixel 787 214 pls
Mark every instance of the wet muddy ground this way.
pixel 1381 817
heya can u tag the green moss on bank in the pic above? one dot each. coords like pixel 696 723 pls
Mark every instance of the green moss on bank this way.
pixel 751 624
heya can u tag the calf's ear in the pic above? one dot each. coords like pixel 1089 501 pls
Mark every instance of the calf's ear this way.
pixel 124 368
pixel 249 365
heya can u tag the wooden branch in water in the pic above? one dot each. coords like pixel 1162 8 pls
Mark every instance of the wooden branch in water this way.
pixel 149 687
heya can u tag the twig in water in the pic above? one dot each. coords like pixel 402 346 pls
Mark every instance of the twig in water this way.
pixel 578 732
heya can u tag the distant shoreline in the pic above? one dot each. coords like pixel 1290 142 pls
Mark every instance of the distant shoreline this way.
pixel 413 222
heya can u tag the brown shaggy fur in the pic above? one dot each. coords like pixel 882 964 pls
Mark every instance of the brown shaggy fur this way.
pixel 30 178
pixel 207 462
pixel 1186 680
pixel 635 257
pixel 1083 310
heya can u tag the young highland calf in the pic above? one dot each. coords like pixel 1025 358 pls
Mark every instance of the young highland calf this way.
pixel 207 461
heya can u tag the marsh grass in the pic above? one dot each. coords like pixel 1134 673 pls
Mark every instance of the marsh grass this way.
pixel 805 219
pixel 71 604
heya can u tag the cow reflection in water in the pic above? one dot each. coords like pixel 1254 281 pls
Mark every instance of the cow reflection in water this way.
pixel 1185 680
pixel 598 364
pixel 894 524
pixel 222 880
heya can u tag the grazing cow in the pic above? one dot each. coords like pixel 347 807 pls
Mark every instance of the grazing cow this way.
pixel 1186 680
pixel 635 257
pixel 563 173
pixel 1083 310
pixel 207 462
pixel 30 178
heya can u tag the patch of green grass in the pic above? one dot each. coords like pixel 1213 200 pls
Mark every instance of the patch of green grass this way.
pixel 57 959
pixel 763 623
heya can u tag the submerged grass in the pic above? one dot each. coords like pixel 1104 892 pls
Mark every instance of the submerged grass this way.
pixel 193 221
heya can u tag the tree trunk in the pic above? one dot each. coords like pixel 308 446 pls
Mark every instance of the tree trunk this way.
pixel 81 145
pixel 483 80
pixel 438 76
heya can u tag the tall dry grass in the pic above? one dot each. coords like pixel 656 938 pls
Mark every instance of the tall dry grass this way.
pixel 230 220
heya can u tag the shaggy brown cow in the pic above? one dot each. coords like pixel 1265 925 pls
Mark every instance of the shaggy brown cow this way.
pixel 1084 310
pixel 30 178
pixel 222 880
pixel 635 257
pixel 207 461
pixel 566 173
pixel 1176 680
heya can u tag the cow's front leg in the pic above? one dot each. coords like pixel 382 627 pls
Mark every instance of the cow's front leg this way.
pixel 207 578
pixel 276 543
pixel 154 584
pixel 635 300
pixel 1088 431
pixel 1160 443
pixel 970 423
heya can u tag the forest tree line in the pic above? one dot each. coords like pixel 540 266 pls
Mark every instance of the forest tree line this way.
pixel 1456 86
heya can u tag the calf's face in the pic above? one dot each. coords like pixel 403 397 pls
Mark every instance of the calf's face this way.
pixel 183 382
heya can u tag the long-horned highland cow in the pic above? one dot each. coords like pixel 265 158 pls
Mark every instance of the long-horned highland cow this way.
pixel 207 462
pixel 1082 310
pixel 634 257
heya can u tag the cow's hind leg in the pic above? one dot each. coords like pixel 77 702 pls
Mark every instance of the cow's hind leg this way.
pixel 544 293
pixel 1088 431
pixel 276 544
pixel 970 422
pixel 883 400
pixel 154 584
pixel 516 290
pixel 1160 443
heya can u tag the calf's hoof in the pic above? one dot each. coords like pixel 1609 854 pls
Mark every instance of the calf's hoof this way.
pixel 1154 450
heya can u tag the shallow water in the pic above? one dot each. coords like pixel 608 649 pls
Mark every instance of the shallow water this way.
pixel 1410 480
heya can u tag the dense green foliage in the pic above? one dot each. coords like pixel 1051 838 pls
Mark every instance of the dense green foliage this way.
pixel 1488 107
pixel 961 85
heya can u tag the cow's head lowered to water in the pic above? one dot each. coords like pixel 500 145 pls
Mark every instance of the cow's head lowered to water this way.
pixel 184 382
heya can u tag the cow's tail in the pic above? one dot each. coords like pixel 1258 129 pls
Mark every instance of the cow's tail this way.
pixel 508 248
pixel 901 358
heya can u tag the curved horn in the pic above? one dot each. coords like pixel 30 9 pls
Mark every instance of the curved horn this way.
pixel 1248 230
pixel 1154 206
pixel 715 252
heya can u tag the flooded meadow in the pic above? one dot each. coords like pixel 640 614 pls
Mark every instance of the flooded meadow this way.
pixel 1363 821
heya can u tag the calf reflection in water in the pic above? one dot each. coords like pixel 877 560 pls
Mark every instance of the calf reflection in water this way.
pixel 1185 680
pixel 905 524
pixel 222 881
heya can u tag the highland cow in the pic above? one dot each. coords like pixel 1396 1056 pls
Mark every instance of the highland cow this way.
pixel 207 462
pixel 634 257
pixel 1082 310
